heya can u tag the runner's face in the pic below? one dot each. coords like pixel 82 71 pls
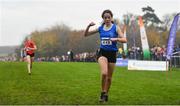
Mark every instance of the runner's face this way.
pixel 107 18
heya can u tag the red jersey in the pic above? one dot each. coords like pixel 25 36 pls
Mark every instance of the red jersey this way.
pixel 29 44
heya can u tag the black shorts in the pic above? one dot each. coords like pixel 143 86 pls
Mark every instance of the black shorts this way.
pixel 31 55
pixel 110 55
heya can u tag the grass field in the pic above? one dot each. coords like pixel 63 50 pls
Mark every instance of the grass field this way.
pixel 79 83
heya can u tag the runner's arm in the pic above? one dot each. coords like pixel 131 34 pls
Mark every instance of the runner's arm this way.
pixel 87 32
pixel 120 37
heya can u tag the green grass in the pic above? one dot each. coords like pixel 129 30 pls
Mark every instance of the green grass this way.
pixel 79 83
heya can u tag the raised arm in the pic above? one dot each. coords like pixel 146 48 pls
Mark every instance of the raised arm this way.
pixel 87 32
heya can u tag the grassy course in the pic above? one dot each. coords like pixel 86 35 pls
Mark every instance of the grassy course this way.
pixel 79 83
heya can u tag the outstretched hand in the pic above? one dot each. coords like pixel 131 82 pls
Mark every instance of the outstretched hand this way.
pixel 27 48
pixel 113 39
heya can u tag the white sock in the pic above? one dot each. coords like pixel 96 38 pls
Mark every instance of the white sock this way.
pixel 29 68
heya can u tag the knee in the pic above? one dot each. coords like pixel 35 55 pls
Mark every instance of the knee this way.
pixel 104 73
pixel 29 61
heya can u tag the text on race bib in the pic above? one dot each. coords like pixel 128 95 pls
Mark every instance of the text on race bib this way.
pixel 106 41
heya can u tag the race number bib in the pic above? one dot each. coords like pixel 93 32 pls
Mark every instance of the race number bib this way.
pixel 106 41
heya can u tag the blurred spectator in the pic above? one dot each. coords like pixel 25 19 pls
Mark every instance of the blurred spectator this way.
pixel 70 55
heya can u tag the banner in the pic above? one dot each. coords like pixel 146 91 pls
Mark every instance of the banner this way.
pixel 172 36
pixel 133 29
pixel 121 62
pixel 147 65
pixel 125 44
pixel 144 41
